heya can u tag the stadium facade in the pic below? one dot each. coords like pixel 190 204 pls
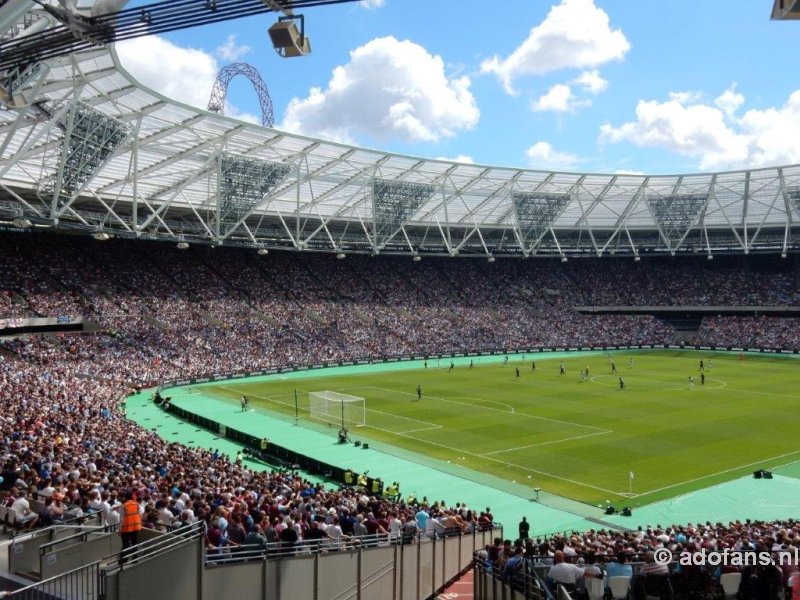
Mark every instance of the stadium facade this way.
pixel 84 146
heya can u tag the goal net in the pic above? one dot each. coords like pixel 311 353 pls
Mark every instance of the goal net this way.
pixel 333 407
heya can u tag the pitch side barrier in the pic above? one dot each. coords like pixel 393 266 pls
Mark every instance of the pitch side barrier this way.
pixel 282 456
pixel 497 352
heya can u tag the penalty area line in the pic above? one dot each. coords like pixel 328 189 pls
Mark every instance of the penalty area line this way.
pixel 508 464
pixel 752 464
pixel 569 439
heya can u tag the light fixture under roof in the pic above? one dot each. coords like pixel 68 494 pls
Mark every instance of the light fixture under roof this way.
pixel 183 245
pixel 491 259
pixel 101 236
pixel 263 251
pixel 417 258
pixel 21 223
pixel 341 255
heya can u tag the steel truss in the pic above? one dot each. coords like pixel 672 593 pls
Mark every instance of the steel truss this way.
pixel 242 183
pixel 90 138
pixel 535 212
pixel 675 214
pixel 91 149
pixel 393 202
pixel 220 90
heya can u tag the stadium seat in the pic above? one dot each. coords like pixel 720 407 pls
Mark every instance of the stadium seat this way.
pixel 595 588
pixel 619 586
pixel 730 583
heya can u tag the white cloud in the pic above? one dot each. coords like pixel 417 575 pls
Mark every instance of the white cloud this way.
pixel 461 158
pixel 542 155
pixel 559 98
pixel 575 34
pixel 389 89
pixel 371 3
pixel 231 51
pixel 591 82
pixel 713 133
pixel 729 101
pixel 231 110
pixel 183 74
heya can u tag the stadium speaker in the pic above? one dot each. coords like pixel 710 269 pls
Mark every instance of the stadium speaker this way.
pixel 767 474
pixel 610 510
pixel 287 40
pixel 758 474
pixel 365 446
pixel 626 512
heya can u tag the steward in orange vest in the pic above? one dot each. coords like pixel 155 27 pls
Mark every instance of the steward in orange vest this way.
pixel 130 522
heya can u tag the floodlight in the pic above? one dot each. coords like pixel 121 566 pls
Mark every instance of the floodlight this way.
pixel 710 257
pixel 417 258
pixel 183 246
pixel 341 255
pixel 263 251
pixel 21 223
pixel 637 258
pixel 783 254
pixel 101 236
pixel 491 259
pixel 287 40
pixel 564 259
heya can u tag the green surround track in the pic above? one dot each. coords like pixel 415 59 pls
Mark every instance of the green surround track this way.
pixel 744 498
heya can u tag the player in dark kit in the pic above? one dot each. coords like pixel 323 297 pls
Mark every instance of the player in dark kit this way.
pixel 621 384
pixel 517 369
pixel 419 392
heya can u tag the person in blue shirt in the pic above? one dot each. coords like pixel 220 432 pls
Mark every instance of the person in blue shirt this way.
pixel 618 568
pixel 513 569
pixel 422 518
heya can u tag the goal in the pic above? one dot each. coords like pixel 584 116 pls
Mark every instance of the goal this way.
pixel 333 407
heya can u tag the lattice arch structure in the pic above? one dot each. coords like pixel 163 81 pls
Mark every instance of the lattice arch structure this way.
pixel 220 90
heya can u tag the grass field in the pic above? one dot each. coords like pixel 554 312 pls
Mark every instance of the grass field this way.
pixel 572 438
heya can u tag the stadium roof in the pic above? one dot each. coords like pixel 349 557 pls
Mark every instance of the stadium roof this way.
pixel 90 148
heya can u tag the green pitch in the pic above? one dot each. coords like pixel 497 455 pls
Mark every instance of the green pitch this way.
pixel 580 439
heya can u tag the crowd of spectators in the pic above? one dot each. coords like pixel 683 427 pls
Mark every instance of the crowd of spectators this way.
pixel 573 560
pixel 163 313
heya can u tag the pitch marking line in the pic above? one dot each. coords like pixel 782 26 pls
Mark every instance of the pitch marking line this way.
pixel 569 439
pixel 429 426
pixel 752 464
pixel 457 450
pixel 508 464
pixel 512 411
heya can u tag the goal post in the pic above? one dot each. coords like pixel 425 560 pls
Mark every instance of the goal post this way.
pixel 333 407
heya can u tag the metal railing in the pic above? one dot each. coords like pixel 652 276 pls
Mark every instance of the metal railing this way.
pixel 89 582
pixel 85 583
pixel 524 580
pixel 241 553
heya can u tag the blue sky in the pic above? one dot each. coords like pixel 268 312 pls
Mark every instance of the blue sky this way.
pixel 586 85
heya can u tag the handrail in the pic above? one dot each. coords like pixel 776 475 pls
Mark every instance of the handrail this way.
pixel 81 534
pixel 37 533
pixel 157 546
pixel 240 553
pixel 97 565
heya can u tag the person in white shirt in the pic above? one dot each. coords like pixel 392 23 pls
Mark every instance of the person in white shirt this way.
pixel 394 528
pixel 567 574
pixel 22 508
pixel 434 528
